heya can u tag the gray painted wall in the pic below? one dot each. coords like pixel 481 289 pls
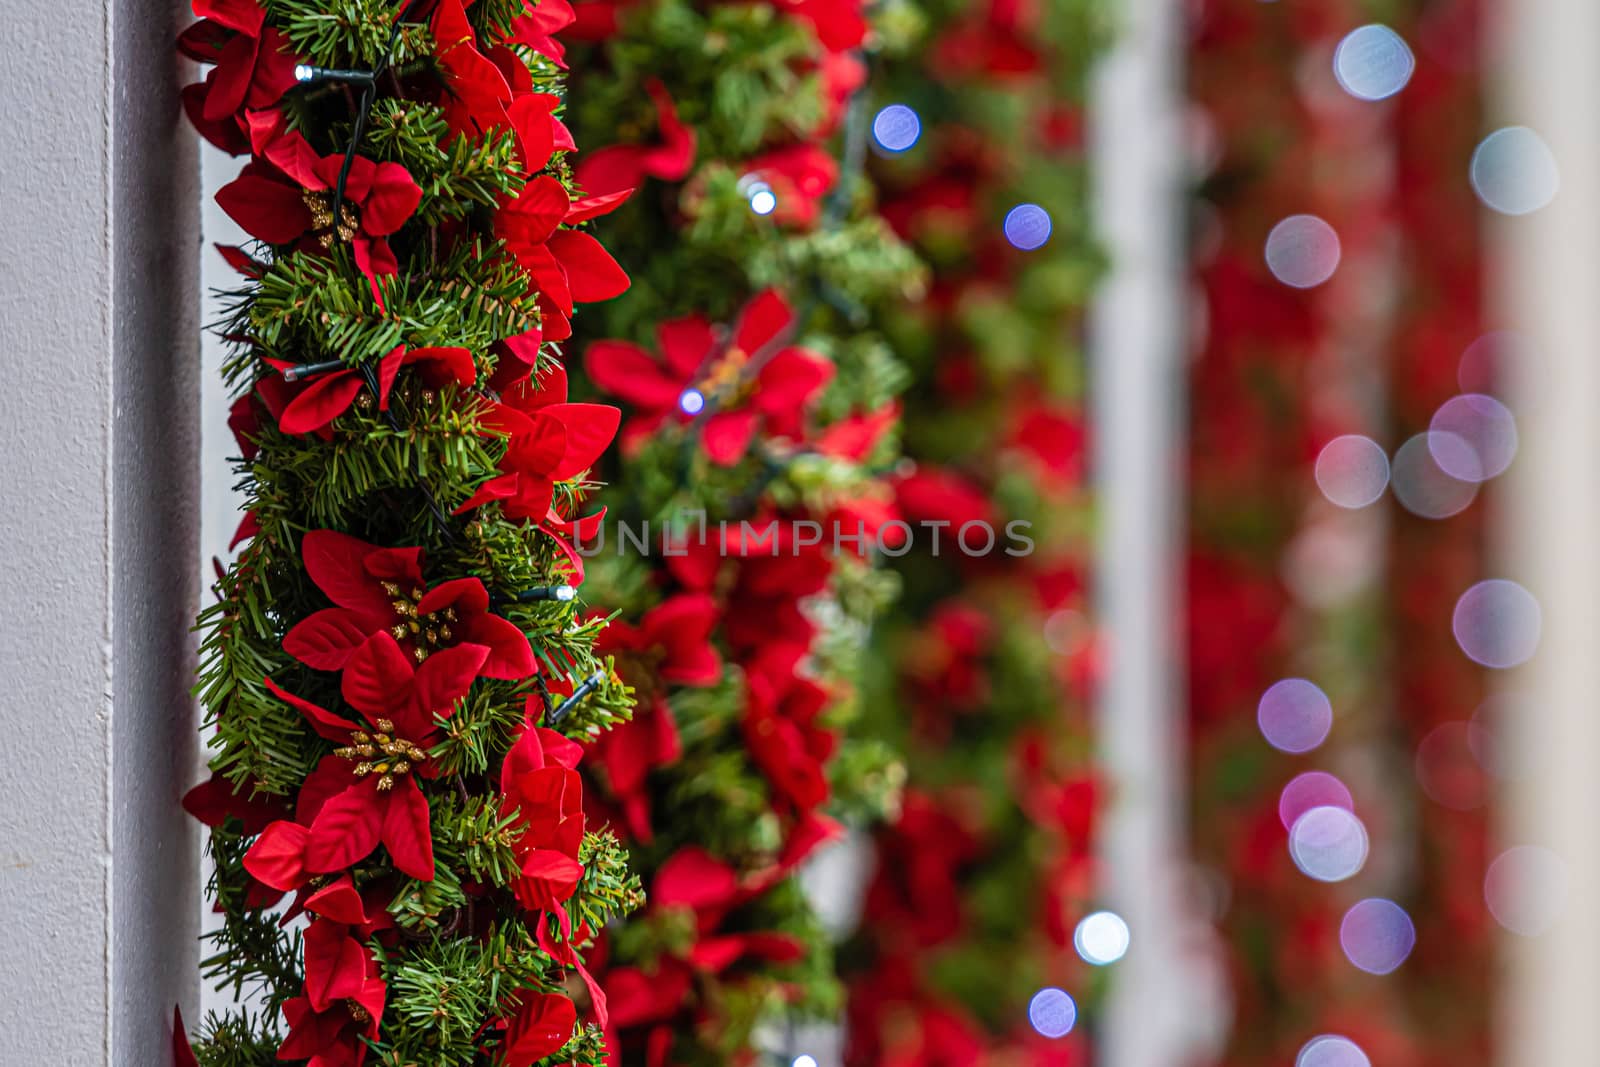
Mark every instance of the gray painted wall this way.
pixel 98 441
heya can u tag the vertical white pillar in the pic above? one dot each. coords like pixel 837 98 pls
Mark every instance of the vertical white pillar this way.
pixel 1548 276
pixel 1137 367
pixel 97 445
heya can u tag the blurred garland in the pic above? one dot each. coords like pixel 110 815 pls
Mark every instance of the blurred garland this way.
pixel 1279 373
pixel 755 392
pixel 983 672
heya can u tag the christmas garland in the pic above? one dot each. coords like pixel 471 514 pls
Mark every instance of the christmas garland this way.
pixel 1279 374
pixel 759 426
pixel 395 668
pixel 985 670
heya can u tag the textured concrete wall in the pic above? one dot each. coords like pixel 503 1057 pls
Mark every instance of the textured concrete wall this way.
pixel 97 467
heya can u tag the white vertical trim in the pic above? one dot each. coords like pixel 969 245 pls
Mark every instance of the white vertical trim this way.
pixel 1137 340
pixel 1548 280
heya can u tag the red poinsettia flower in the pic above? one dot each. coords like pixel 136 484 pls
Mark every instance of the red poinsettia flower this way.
pixel 566 266
pixel 671 645
pixel 622 167
pixel 334 1037
pixel 1054 441
pixel 542 789
pixel 291 203
pixel 800 177
pixel 775 569
pixel 312 407
pixel 337 961
pixel 781 727
pixel 215 800
pixel 549 441
pixel 366 792
pixel 753 387
pixel 254 62
pixel 381 590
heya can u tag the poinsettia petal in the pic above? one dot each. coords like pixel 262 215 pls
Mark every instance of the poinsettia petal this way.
pixel 335 963
pixel 347 828
pixel 533 216
pixel 510 656
pixel 610 170
pixel 592 207
pixel 454 363
pixel 277 859
pixel 214 800
pixel 628 372
pixel 726 436
pixel 444 678
pixel 548 878
pixel 321 402
pixel 466 595
pixel 692 876
pixel 324 722
pixel 502 488
pixel 340 902
pixel 764 317
pixel 377 677
pixel 324 640
pixel 337 563
pixel 405 831
pixel 182 1053
pixel 543 1023
pixel 590 430
pixel 388 370
pixel 268 210
pixel 791 379
pixel 591 272
pixel 684 344
pixel 532 116
pixel 391 200
pixel 230 81
pixel 331 776
pixel 246 16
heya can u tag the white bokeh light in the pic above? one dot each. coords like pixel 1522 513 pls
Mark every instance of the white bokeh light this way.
pixel 1473 437
pixel 1373 62
pixel 1294 715
pixel 1423 487
pixel 1497 623
pixel 1377 935
pixel 1526 889
pixel 1328 843
pixel 1052 1012
pixel 804 1060
pixel 1331 1050
pixel 1352 471
pixel 1302 251
pixel 1514 172
pixel 1027 227
pixel 763 201
pixel 896 128
pixel 1101 938
pixel 691 401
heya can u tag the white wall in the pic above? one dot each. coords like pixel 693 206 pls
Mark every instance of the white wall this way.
pixel 97 446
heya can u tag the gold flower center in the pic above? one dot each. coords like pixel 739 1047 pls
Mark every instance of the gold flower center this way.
pixel 427 633
pixel 382 753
